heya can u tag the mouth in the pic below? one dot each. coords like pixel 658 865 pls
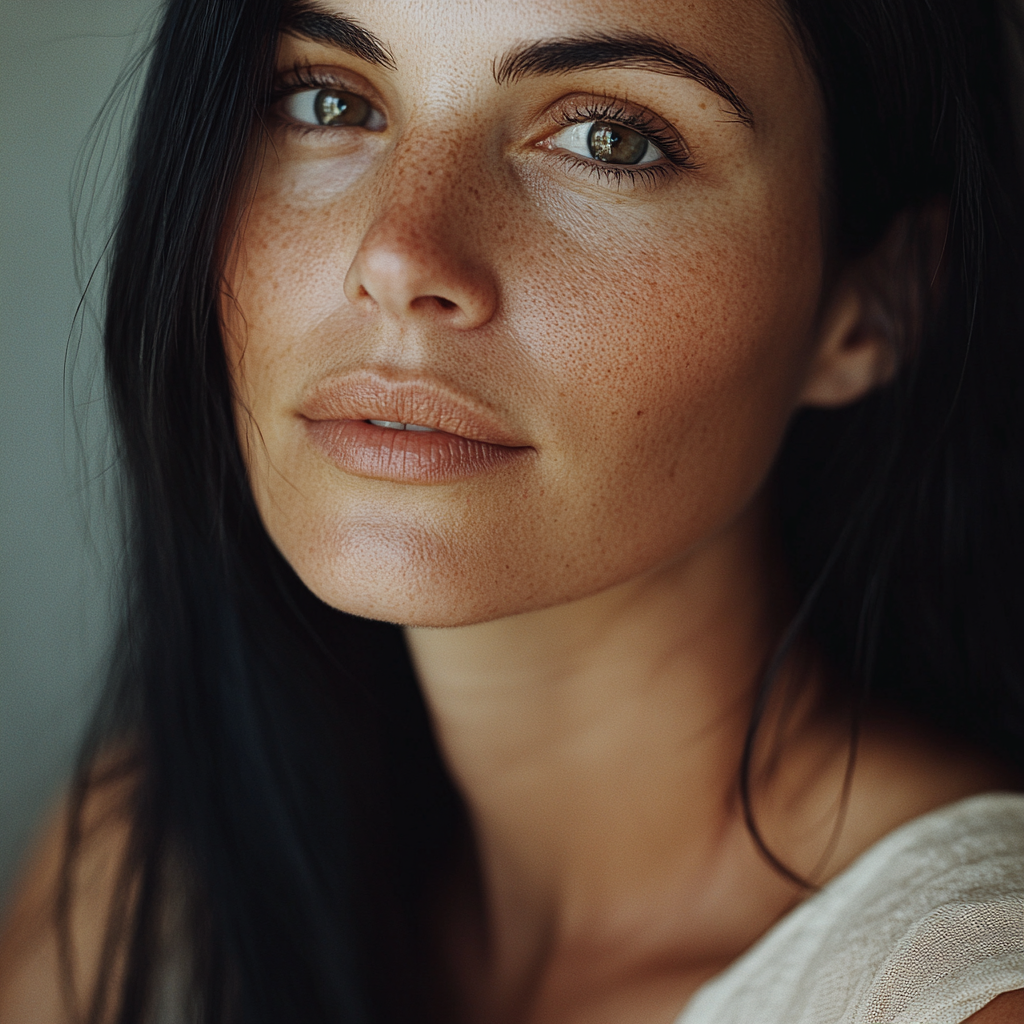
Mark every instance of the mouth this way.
pixel 406 431
pixel 391 425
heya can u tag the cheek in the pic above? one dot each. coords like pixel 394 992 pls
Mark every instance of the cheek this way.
pixel 284 279
pixel 672 359
pixel 284 276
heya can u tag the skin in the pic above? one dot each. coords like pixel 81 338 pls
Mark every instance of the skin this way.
pixel 686 323
pixel 587 622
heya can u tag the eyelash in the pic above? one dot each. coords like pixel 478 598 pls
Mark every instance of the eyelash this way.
pixel 302 76
pixel 613 112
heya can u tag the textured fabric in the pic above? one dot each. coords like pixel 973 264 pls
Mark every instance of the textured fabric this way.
pixel 926 927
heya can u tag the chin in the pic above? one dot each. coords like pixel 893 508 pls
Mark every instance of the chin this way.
pixel 413 577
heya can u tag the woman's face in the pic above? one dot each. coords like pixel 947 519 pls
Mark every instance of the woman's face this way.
pixel 581 240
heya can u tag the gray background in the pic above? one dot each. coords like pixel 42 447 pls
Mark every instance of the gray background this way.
pixel 59 60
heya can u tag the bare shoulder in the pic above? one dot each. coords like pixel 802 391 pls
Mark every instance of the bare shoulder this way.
pixel 1005 1009
pixel 33 984
pixel 904 772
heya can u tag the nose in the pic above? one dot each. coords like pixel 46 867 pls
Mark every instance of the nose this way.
pixel 413 262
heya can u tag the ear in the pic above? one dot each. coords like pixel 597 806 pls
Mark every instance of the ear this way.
pixel 872 319
pixel 857 346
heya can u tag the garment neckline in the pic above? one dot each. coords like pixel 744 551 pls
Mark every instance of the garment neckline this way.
pixel 863 864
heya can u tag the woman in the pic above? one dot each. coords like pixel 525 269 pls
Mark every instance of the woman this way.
pixel 574 460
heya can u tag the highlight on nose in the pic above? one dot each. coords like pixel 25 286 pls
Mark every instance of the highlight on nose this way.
pixel 405 277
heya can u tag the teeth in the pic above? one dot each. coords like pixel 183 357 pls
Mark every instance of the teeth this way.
pixel 392 425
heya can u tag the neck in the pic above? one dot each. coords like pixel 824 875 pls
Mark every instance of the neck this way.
pixel 597 743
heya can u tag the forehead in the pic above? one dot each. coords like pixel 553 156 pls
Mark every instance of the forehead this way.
pixel 750 44
pixel 726 24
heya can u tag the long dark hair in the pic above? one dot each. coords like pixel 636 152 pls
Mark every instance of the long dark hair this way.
pixel 289 808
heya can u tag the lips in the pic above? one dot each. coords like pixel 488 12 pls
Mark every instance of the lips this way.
pixel 461 439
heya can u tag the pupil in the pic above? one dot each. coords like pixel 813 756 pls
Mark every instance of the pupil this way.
pixel 334 108
pixel 614 144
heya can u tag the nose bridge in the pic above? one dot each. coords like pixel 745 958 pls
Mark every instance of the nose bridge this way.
pixel 428 193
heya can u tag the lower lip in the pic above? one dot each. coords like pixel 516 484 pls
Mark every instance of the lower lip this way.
pixel 407 456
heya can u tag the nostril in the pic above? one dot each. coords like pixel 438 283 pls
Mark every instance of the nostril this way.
pixel 429 303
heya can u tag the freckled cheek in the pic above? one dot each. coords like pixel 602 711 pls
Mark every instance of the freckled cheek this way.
pixel 285 275
pixel 291 272
pixel 646 353
pixel 674 373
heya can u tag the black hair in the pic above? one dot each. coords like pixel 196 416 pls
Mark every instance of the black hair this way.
pixel 289 808
pixel 909 501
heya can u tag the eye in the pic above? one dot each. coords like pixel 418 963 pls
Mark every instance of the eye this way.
pixel 332 108
pixel 608 143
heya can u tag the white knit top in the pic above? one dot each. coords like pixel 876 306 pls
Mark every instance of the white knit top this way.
pixel 926 927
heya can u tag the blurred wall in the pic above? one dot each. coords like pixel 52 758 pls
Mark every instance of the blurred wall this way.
pixel 58 62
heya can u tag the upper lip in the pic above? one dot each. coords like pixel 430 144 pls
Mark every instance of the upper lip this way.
pixel 367 395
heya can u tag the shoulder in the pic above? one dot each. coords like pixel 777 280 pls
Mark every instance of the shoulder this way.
pixel 926 927
pixel 33 979
pixel 929 923
pixel 1005 1009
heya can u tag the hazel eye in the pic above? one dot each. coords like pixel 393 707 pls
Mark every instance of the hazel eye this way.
pixel 607 142
pixel 332 108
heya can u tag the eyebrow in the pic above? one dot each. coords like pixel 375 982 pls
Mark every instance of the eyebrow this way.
pixel 634 52
pixel 308 19
pixel 311 21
